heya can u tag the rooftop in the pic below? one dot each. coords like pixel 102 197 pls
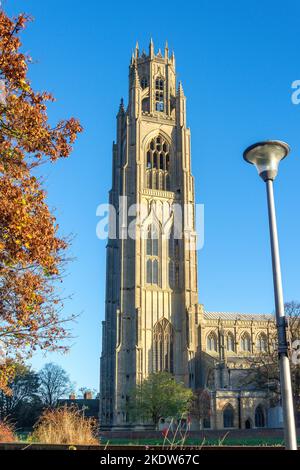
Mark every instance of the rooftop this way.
pixel 237 316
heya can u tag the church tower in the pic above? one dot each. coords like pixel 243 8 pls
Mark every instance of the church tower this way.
pixel 151 267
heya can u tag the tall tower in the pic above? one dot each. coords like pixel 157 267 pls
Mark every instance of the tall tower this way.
pixel 151 281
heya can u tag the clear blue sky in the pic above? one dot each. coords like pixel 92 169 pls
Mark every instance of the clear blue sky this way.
pixel 237 60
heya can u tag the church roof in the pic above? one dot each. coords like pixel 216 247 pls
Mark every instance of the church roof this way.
pixel 237 316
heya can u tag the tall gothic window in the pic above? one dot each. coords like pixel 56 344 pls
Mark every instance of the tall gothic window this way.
pixel 173 254
pixel 259 417
pixel 152 255
pixel 212 342
pixel 246 342
pixel 157 164
pixel 144 82
pixel 228 416
pixel 159 94
pixel 262 343
pixel 163 347
pixel 230 342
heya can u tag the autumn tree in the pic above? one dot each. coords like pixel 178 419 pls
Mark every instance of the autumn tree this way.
pixel 31 252
pixel 54 383
pixel 159 396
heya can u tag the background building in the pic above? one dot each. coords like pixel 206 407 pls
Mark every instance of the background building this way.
pixel 229 345
pixel 88 404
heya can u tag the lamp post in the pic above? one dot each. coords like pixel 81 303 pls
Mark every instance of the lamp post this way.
pixel 266 157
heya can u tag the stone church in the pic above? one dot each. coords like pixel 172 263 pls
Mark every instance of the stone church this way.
pixel 153 321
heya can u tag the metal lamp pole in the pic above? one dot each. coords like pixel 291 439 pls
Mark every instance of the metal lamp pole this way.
pixel 266 157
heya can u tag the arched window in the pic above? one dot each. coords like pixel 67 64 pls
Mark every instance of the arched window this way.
pixel 211 342
pixel 144 82
pixel 262 343
pixel 149 271
pixel 210 379
pixel 248 423
pixel 259 417
pixel 171 274
pixel 228 416
pixel 157 164
pixel 152 255
pixel 230 342
pixel 152 241
pixel 173 253
pixel 145 104
pixel 155 271
pixel 173 245
pixel 161 184
pixel 245 342
pixel 159 95
pixel 163 347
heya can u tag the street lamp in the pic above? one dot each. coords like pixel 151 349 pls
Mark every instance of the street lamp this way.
pixel 266 157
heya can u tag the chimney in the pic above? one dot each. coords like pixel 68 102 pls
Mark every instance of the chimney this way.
pixel 72 396
pixel 87 395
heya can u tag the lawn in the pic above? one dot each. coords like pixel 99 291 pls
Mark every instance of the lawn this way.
pixel 196 442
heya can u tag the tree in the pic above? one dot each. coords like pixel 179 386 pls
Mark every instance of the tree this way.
pixel 22 406
pixel 54 384
pixel 200 406
pixel 159 396
pixel 264 368
pixel 31 253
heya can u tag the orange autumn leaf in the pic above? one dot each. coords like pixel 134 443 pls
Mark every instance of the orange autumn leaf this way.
pixel 32 255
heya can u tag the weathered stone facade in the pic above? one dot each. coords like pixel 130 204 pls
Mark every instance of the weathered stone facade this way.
pixel 152 317
pixel 228 343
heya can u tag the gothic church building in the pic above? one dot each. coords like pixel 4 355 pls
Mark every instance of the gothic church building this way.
pixel 153 321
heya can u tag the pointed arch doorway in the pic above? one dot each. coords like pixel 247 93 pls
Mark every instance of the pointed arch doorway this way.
pixel 248 424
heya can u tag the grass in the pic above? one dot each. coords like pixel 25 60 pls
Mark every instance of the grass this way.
pixel 251 441
pixel 179 438
pixel 208 442
pixel 65 426
pixel 68 426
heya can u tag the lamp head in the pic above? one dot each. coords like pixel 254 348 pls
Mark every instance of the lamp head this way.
pixel 266 157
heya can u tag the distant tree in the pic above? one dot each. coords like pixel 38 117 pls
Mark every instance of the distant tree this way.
pixel 54 383
pixel 200 405
pixel 31 253
pixel 22 406
pixel 159 396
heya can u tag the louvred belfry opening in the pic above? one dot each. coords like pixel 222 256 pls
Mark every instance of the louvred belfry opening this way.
pixel 158 164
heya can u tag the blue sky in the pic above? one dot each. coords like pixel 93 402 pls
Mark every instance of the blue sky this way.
pixel 237 61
